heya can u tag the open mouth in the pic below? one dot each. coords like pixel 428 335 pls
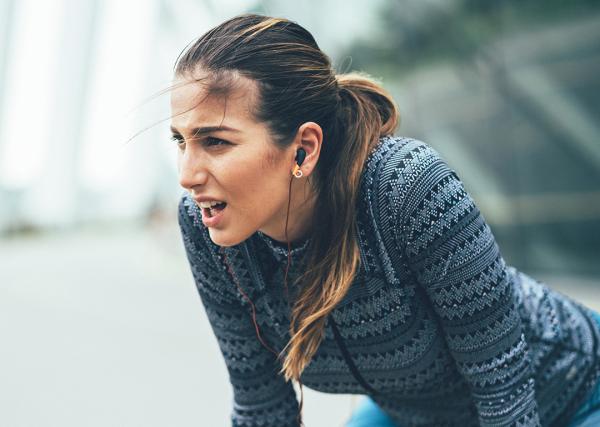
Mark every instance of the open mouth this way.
pixel 214 210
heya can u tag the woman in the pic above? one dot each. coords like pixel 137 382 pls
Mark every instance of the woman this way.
pixel 397 289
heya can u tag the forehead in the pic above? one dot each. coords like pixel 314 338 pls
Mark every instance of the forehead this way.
pixel 209 102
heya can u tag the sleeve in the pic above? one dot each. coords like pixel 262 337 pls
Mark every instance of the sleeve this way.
pixel 261 397
pixel 454 257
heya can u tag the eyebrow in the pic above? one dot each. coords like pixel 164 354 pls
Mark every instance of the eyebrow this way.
pixel 207 129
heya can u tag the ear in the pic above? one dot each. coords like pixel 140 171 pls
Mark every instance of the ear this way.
pixel 310 138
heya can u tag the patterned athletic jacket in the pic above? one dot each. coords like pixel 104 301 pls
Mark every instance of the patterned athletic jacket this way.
pixel 436 328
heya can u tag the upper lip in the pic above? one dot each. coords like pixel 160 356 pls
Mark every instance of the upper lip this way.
pixel 199 199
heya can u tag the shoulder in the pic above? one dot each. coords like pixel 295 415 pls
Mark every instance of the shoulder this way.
pixel 189 217
pixel 400 160
pixel 204 256
pixel 188 212
pixel 402 171
pixel 411 187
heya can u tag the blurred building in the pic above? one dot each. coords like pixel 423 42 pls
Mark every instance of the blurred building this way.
pixel 507 92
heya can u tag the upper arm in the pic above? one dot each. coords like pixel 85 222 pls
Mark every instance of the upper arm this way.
pixel 452 253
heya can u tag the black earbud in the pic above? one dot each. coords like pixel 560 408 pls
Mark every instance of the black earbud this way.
pixel 300 156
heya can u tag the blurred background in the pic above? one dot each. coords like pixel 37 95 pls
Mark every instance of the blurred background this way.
pixel 100 323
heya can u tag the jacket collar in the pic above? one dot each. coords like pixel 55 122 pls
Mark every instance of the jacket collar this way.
pixel 279 249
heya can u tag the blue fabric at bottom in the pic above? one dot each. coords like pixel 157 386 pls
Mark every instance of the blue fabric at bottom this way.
pixel 368 414
pixel 588 414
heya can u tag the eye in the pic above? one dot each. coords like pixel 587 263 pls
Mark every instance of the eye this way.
pixel 211 141
pixel 178 139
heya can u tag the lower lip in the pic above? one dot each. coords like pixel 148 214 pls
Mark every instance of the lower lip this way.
pixel 212 221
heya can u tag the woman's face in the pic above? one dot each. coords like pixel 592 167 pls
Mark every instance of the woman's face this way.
pixel 225 155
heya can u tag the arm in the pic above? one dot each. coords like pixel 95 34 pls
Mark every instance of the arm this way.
pixel 261 396
pixel 453 255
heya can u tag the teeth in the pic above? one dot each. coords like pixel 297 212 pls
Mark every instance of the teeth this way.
pixel 209 204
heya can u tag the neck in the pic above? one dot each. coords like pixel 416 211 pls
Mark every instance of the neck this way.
pixel 299 223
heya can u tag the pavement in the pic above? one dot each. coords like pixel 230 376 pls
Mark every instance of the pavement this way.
pixel 103 327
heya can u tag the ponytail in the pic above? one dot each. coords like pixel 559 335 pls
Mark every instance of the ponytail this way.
pixel 365 112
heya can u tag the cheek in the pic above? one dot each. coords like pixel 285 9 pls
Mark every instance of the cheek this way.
pixel 254 179
pixel 255 189
pixel 270 160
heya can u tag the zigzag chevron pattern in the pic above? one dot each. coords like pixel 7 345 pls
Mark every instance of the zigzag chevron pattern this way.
pixel 435 321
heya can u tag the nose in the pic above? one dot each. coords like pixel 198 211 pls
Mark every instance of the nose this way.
pixel 192 170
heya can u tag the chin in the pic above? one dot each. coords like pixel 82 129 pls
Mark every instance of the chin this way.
pixel 224 239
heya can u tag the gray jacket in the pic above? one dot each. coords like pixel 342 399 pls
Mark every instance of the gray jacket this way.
pixel 435 327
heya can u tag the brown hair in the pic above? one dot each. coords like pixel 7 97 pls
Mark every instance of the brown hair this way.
pixel 297 84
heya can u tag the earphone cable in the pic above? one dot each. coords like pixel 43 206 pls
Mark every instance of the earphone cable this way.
pixel 253 308
pixel 300 423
